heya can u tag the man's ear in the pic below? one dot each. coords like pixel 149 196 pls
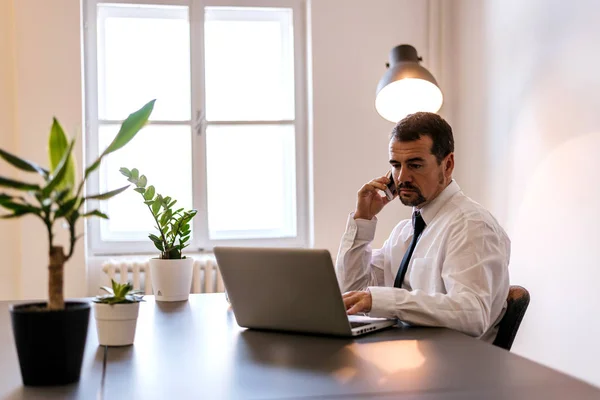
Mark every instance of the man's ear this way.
pixel 449 165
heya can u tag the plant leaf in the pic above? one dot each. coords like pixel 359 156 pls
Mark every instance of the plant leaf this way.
pixel 21 208
pixel 15 214
pixel 5 197
pixel 57 145
pixel 149 193
pixel 130 127
pixel 166 217
pixel 107 195
pixel 140 190
pixel 72 217
pixel 22 164
pixel 107 289
pixel 10 183
pixel 125 172
pixel 95 213
pixel 60 196
pixel 142 181
pixel 154 238
pixel 67 207
pixel 93 167
pixel 156 206
pixel 60 172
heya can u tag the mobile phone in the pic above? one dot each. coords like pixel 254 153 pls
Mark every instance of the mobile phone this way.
pixel 390 191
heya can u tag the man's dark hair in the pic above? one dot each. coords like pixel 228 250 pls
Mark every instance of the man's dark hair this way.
pixel 413 126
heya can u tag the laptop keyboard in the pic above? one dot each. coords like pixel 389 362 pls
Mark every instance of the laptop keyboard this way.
pixel 354 324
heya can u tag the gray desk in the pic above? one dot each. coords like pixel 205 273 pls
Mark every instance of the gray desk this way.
pixel 196 350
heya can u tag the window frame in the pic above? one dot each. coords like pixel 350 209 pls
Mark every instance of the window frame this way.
pixel 200 241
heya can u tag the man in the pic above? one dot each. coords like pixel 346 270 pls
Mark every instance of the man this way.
pixel 454 272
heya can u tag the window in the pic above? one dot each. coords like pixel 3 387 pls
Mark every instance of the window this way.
pixel 228 131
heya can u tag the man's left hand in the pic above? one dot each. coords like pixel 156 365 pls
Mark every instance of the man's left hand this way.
pixel 357 302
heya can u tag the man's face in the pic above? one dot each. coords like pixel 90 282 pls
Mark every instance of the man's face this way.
pixel 418 176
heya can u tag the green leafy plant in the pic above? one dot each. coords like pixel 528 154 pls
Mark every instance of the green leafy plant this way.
pixel 173 226
pixel 120 293
pixel 57 196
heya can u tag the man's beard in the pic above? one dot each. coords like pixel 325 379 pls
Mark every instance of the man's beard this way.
pixel 413 202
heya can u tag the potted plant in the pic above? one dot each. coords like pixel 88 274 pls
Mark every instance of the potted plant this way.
pixel 171 273
pixel 116 314
pixel 50 336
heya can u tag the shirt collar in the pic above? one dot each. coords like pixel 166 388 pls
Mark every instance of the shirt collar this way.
pixel 429 211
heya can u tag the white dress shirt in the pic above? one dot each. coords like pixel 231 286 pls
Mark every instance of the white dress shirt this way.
pixel 457 276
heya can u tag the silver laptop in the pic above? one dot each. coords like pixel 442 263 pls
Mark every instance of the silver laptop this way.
pixel 288 290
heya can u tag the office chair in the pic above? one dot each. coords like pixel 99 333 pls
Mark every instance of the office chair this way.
pixel 517 302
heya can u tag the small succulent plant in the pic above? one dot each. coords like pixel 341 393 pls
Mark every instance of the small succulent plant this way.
pixel 120 293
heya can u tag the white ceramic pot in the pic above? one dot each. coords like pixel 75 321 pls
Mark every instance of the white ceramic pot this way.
pixel 171 279
pixel 116 323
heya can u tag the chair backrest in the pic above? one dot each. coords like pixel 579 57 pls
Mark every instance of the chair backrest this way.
pixel 517 302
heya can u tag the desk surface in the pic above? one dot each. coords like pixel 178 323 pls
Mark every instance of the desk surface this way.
pixel 195 349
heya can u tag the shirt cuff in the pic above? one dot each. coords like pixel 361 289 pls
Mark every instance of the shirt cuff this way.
pixel 383 302
pixel 364 228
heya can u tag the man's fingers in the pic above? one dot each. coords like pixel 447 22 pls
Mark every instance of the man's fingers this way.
pixel 366 190
pixel 378 184
pixel 350 299
pixel 353 310
pixel 356 302
pixel 375 184
pixel 358 307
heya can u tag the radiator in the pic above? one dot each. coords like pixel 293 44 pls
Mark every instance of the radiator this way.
pixel 206 277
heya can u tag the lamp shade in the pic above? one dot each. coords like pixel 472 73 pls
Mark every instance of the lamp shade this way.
pixel 406 87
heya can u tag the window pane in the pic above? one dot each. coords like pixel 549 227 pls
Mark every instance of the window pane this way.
pixel 143 54
pixel 251 181
pixel 163 154
pixel 249 61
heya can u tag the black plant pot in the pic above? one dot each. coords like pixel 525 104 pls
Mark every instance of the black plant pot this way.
pixel 50 344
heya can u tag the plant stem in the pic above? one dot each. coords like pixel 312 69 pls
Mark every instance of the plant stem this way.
pixel 86 173
pixel 56 299
pixel 48 223
pixel 73 239
pixel 176 232
pixel 164 239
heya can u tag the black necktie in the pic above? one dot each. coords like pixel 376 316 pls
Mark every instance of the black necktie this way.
pixel 418 225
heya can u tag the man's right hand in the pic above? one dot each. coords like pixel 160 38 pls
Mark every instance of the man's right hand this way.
pixel 370 202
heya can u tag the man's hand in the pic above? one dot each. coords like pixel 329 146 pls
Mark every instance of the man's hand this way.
pixel 357 302
pixel 369 202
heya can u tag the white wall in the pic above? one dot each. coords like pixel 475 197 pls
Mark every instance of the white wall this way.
pixel 9 229
pixel 46 82
pixel 531 117
pixel 351 43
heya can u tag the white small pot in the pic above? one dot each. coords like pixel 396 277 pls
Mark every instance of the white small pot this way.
pixel 116 323
pixel 171 279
